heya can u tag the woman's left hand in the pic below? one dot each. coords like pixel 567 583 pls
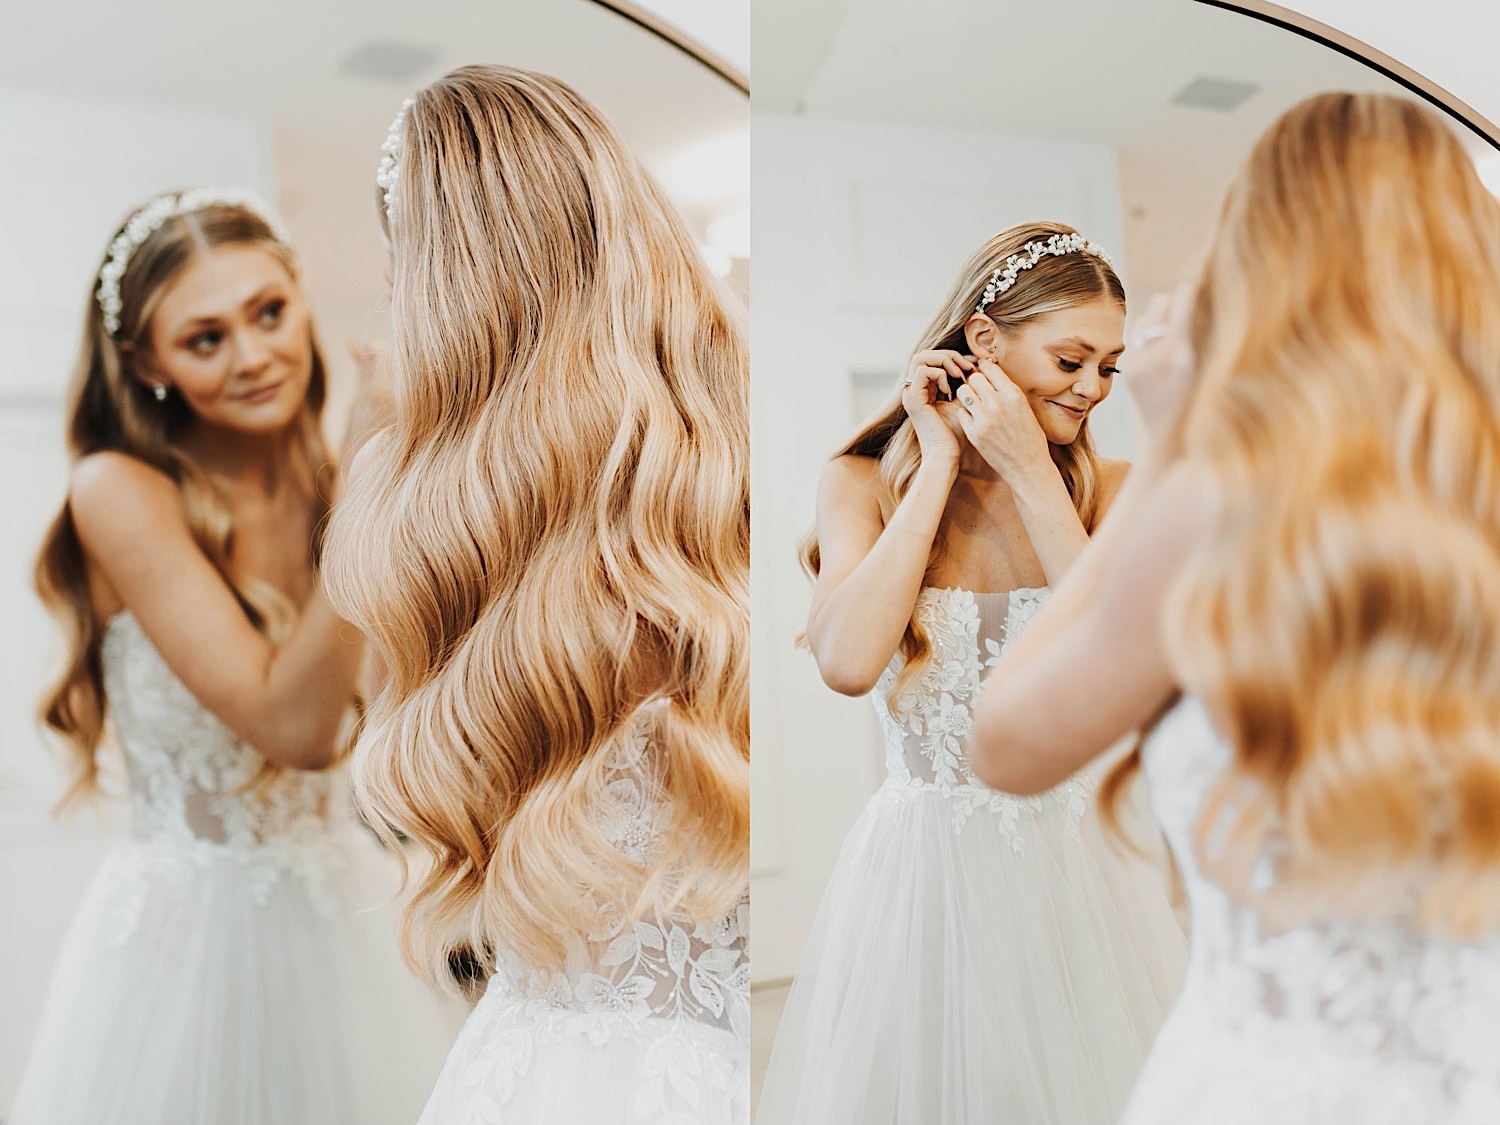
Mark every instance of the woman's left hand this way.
pixel 1001 425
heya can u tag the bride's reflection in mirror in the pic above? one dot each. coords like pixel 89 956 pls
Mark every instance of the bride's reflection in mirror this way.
pixel 183 569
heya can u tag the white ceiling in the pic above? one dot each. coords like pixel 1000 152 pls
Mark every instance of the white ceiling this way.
pixel 278 60
pixel 1084 69
pixel 1093 70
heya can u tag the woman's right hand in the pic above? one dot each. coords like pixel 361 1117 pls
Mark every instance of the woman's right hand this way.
pixel 930 372
pixel 373 406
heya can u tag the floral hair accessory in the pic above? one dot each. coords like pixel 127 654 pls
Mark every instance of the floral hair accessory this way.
pixel 390 161
pixel 150 219
pixel 1032 253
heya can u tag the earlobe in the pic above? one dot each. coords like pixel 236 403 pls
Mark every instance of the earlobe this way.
pixel 983 337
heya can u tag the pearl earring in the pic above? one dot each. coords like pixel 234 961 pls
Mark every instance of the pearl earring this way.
pixel 160 391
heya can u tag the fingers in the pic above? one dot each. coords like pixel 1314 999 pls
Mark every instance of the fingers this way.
pixel 364 358
pixel 949 368
pixel 920 378
pixel 1154 321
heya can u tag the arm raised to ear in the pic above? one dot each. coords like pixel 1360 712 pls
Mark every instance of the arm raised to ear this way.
pixel 1092 666
pixel 288 702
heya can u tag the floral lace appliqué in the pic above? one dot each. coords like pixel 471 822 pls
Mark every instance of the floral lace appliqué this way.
pixel 1331 1017
pixel 675 987
pixel 927 739
pixel 194 797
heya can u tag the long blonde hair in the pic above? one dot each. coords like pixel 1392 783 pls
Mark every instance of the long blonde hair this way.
pixel 1340 620
pixel 555 532
pixel 1054 283
pixel 111 408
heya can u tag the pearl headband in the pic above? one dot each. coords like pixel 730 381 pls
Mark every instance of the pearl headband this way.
pixel 1032 253
pixel 150 219
pixel 390 161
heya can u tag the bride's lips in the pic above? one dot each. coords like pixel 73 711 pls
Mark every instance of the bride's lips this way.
pixel 1074 411
pixel 260 394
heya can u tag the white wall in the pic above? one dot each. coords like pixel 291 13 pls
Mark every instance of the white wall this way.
pixel 73 169
pixel 859 230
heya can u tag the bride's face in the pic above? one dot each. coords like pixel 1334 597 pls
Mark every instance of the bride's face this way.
pixel 1063 361
pixel 232 335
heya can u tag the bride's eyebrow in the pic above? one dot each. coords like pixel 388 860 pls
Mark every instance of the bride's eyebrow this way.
pixel 1084 346
pixel 1078 342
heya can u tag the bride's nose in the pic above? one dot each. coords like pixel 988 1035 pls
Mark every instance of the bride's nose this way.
pixel 1089 384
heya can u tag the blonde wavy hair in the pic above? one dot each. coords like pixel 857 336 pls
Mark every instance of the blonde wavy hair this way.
pixel 554 534
pixel 1340 620
pixel 111 408
pixel 1053 284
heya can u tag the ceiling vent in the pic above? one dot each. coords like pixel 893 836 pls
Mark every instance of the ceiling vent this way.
pixel 385 60
pixel 1222 95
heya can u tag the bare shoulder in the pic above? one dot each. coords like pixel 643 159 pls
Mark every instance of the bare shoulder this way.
pixel 111 490
pixel 853 469
pixel 1112 474
pixel 850 481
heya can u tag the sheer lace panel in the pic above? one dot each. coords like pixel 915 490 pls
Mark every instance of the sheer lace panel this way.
pixel 193 787
pixel 1334 990
pixel 665 965
pixel 927 738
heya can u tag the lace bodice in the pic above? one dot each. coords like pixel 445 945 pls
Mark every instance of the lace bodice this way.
pixel 1423 1010
pixel 193 786
pixel 927 737
pixel 665 965
pixel 677 988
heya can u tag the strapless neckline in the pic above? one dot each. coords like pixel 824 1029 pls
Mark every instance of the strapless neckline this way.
pixel 984 593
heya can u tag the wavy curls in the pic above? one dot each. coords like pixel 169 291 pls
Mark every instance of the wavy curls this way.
pixel 551 545
pixel 1340 620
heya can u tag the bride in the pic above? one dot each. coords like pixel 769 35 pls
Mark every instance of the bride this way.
pixel 977 958
pixel 1301 607
pixel 216 970
pixel 549 549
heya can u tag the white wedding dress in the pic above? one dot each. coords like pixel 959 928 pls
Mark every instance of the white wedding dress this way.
pixel 1334 1021
pixel 221 968
pixel 649 1024
pixel 978 958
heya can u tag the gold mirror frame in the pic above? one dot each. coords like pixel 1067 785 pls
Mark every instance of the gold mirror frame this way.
pixel 669 33
pixel 1362 52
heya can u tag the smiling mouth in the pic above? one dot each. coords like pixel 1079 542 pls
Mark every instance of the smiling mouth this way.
pixel 260 394
pixel 1075 411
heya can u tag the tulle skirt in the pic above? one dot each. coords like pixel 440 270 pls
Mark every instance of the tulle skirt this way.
pixel 1201 1069
pixel 987 969
pixel 196 990
pixel 514 1064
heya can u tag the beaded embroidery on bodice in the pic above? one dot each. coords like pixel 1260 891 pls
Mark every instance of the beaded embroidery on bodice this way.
pixel 193 787
pixel 1422 1012
pixel 927 738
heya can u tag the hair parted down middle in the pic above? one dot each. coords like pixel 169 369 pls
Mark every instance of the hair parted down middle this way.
pixel 552 540
pixel 1052 283
pixel 1340 621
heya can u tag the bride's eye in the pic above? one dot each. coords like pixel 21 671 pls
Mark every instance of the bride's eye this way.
pixel 1068 365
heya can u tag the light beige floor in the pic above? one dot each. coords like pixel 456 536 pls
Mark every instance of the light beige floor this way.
pixel 766 1003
